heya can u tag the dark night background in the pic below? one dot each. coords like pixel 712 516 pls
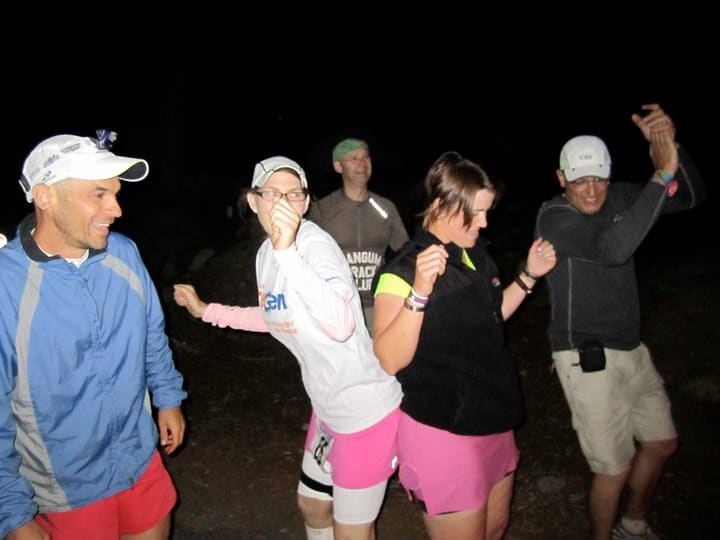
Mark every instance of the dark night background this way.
pixel 203 97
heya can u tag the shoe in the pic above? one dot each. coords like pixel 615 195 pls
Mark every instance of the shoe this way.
pixel 621 533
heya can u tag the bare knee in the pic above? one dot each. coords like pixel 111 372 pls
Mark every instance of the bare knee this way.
pixel 497 528
pixel 498 508
pixel 364 531
pixel 670 447
pixel 316 513
pixel 660 449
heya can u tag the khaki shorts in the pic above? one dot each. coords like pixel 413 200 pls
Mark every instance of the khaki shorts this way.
pixel 614 407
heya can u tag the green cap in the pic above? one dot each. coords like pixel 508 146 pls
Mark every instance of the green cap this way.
pixel 347 145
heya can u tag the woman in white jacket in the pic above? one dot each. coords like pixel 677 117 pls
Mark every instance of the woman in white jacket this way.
pixel 308 301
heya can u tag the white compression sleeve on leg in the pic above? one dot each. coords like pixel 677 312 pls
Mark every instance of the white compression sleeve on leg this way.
pixel 319 534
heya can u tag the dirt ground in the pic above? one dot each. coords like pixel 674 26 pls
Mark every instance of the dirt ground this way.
pixel 247 412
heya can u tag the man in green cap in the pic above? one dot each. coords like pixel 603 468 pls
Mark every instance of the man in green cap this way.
pixel 363 223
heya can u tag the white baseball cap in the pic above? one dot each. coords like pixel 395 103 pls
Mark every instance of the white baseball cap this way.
pixel 81 158
pixel 265 168
pixel 585 155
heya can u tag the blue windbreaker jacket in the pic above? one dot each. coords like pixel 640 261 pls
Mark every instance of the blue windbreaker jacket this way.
pixel 81 352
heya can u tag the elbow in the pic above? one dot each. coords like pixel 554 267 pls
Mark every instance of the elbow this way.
pixel 386 362
pixel 618 259
pixel 615 254
pixel 341 331
pixel 381 359
pixel 390 370
pixel 340 334
pixel 344 336
pixel 345 331
pixel 346 325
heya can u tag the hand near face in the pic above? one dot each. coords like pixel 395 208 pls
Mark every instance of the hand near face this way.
pixel 284 223
pixel 429 265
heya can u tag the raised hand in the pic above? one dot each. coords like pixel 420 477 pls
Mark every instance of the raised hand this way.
pixel 655 121
pixel 284 223
pixel 541 257
pixel 428 266
pixel 664 152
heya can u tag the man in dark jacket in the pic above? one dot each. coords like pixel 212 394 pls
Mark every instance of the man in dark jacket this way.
pixel 614 392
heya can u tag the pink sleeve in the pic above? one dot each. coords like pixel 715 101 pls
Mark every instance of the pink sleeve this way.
pixel 239 318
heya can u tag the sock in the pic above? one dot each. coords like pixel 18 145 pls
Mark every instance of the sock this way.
pixel 319 534
pixel 634 526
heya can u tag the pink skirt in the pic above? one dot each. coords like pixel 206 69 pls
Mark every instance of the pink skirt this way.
pixel 452 473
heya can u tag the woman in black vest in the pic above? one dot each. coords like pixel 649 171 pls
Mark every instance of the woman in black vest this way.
pixel 439 312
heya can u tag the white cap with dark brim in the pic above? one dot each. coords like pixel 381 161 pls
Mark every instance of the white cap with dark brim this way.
pixel 81 158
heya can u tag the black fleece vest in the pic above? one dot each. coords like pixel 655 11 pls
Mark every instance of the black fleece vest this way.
pixel 461 378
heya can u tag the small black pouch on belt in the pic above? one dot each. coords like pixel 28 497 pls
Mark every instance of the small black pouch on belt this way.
pixel 592 356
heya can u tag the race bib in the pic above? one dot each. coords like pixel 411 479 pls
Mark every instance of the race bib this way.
pixel 321 445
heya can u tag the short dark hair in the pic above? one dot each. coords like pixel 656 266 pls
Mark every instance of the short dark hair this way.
pixel 454 181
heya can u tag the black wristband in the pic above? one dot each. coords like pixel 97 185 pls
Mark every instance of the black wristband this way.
pixel 521 284
pixel 525 272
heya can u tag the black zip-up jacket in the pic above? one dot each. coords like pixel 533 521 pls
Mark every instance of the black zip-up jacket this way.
pixel 593 288
pixel 461 378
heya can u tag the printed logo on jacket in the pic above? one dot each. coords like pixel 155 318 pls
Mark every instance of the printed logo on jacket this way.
pixel 273 306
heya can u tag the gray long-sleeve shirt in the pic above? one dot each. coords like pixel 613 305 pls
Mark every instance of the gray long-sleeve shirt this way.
pixel 593 288
pixel 364 230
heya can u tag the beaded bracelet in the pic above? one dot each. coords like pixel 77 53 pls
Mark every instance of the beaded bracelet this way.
pixel 666 177
pixel 668 181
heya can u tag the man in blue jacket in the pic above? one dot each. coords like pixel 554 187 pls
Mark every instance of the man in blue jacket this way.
pixel 619 406
pixel 82 352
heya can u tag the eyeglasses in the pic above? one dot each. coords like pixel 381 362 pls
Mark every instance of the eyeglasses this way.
pixel 589 180
pixel 270 195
